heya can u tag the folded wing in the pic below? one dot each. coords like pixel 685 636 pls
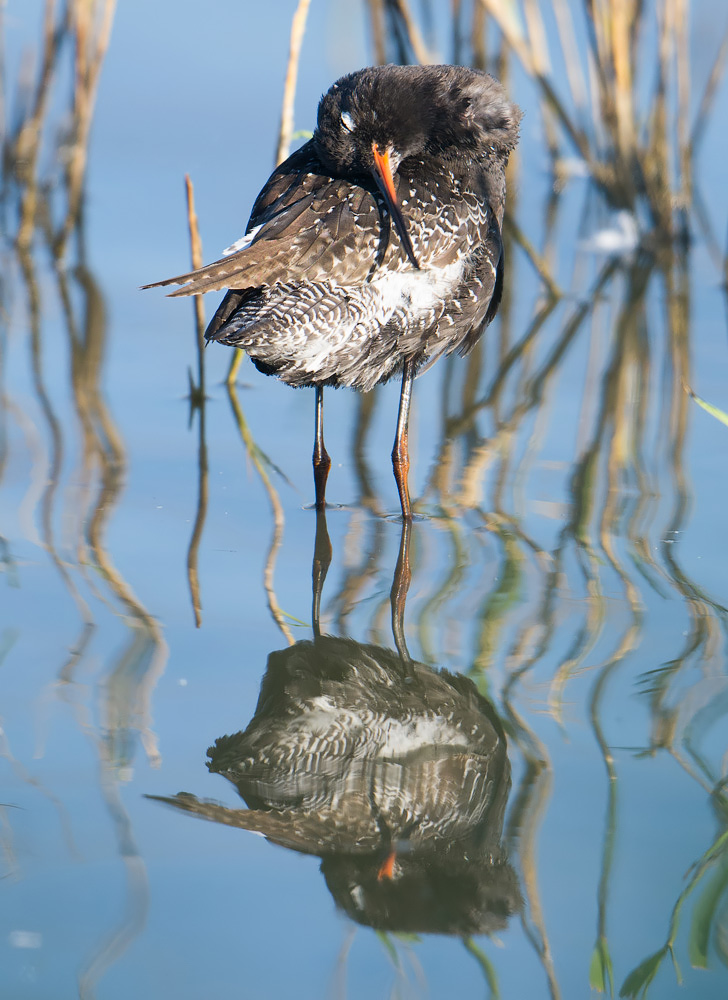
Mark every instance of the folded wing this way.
pixel 304 226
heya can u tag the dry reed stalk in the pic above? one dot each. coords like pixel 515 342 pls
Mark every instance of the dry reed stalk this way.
pixel 682 124
pixel 537 37
pixel 629 159
pixel 619 44
pixel 479 39
pixel 656 163
pixel 298 27
pixel 25 146
pixel 92 22
pixel 542 65
pixel 195 257
pixel 572 62
pixel 88 23
pixel 516 39
pixel 379 31
pixel 414 37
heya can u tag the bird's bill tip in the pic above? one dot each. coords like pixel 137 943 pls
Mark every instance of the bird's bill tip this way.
pixel 386 869
pixel 383 176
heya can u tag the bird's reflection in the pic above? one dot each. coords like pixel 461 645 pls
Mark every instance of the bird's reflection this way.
pixel 394 774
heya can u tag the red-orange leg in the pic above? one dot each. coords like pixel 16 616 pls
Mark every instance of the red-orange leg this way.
pixel 321 460
pixel 400 451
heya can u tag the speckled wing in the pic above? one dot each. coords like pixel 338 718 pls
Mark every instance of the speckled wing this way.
pixel 305 226
pixel 479 302
pixel 309 227
pixel 357 331
pixel 465 229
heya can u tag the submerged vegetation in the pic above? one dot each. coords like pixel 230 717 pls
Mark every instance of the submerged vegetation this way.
pixel 547 620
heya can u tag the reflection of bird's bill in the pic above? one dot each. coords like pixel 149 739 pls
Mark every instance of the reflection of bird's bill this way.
pixel 383 176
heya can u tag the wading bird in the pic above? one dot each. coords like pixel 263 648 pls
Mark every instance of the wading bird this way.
pixel 376 247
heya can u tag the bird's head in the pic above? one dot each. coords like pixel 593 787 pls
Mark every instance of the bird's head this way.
pixel 371 121
pixel 419 111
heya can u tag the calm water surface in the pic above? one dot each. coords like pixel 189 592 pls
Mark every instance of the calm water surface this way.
pixel 570 562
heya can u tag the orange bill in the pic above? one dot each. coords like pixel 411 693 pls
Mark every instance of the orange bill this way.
pixel 386 869
pixel 383 176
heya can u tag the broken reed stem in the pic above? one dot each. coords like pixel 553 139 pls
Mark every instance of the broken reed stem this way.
pixel 196 257
pixel 298 26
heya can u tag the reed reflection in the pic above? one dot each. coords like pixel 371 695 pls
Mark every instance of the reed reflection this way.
pixel 79 458
pixel 395 774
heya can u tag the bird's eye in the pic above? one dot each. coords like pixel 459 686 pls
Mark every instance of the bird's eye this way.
pixel 347 121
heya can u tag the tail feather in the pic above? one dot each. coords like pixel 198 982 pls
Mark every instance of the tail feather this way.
pixel 232 301
pixel 270 262
pixel 229 272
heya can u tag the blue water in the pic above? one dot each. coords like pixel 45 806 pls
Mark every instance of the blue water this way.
pixel 571 563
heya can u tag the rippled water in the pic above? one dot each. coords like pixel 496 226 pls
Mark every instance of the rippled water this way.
pixel 560 788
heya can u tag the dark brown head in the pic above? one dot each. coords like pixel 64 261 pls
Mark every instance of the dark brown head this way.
pixel 446 112
pixel 372 121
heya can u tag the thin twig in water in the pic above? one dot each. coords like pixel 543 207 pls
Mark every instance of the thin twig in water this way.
pixel 298 26
pixel 196 258
pixel 198 395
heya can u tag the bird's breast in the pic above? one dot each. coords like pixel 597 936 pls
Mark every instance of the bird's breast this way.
pixel 418 294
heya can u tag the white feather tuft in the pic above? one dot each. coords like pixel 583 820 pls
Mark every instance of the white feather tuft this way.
pixel 243 243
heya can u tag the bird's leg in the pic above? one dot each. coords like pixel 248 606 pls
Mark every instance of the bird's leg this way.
pixel 321 563
pixel 321 460
pixel 400 451
pixel 398 595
